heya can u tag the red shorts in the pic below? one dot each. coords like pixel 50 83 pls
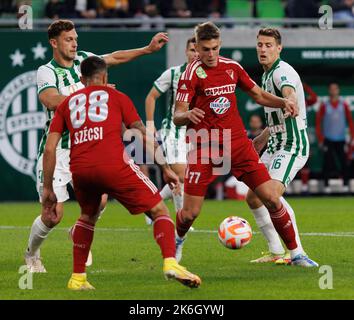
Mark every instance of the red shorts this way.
pixel 125 183
pixel 243 162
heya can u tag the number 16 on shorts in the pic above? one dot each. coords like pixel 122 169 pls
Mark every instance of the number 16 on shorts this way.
pixel 276 163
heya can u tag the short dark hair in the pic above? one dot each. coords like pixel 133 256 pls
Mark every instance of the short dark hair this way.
pixel 58 26
pixel 190 40
pixel 206 31
pixel 92 66
pixel 270 32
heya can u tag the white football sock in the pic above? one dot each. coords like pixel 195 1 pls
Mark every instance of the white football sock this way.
pixel 291 212
pixel 266 226
pixel 166 192
pixel 178 199
pixel 39 232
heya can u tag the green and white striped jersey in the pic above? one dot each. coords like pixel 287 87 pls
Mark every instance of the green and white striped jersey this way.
pixel 66 81
pixel 168 81
pixel 287 134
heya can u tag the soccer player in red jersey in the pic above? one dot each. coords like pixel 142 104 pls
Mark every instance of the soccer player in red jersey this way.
pixel 94 117
pixel 206 103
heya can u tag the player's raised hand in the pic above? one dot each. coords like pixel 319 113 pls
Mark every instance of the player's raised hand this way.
pixel 49 202
pixel 172 179
pixel 291 108
pixel 158 41
pixel 196 115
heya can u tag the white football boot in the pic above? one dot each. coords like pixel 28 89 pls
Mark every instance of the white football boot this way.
pixel 303 261
pixel 34 263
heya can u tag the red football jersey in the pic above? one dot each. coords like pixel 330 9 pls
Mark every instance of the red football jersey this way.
pixel 94 117
pixel 212 89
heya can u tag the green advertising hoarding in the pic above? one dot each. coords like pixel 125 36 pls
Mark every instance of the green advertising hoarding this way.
pixel 21 114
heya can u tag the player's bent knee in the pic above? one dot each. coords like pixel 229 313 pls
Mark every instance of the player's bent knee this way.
pixel 252 200
pixel 271 200
pixel 191 213
pixel 89 218
pixel 159 210
pixel 268 194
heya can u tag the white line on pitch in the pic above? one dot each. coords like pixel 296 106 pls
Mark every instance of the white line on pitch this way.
pixel 316 234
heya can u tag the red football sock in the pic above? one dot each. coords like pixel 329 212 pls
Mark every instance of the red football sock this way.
pixel 82 235
pixel 181 226
pixel 164 234
pixel 282 223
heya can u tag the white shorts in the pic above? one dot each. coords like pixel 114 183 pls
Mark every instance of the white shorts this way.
pixel 175 149
pixel 283 165
pixel 62 175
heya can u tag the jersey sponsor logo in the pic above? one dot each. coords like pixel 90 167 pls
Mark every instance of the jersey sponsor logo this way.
pixel 201 73
pixel 21 123
pixel 216 91
pixel 220 105
pixel 277 128
pixel 230 72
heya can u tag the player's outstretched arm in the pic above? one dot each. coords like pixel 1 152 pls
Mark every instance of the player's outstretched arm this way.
pixel 269 100
pixel 51 98
pixel 150 144
pixel 261 140
pixel 290 94
pixel 49 199
pixel 123 56
pixel 155 151
pixel 49 159
pixel 150 104
pixel 183 115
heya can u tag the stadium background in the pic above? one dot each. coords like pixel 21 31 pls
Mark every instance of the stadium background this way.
pixel 320 56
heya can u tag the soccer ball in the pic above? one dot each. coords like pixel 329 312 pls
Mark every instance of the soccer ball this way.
pixel 235 232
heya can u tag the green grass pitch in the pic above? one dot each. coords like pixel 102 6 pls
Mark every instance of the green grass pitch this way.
pixel 127 262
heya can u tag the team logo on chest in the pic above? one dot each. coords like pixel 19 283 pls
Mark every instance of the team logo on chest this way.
pixel 220 105
pixel 230 72
pixel 60 72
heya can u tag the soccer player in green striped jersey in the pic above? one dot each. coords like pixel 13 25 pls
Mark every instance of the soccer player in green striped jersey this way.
pixel 56 80
pixel 173 137
pixel 287 143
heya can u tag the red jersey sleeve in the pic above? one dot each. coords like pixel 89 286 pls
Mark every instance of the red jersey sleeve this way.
pixel 129 112
pixel 58 122
pixel 187 85
pixel 311 97
pixel 244 80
